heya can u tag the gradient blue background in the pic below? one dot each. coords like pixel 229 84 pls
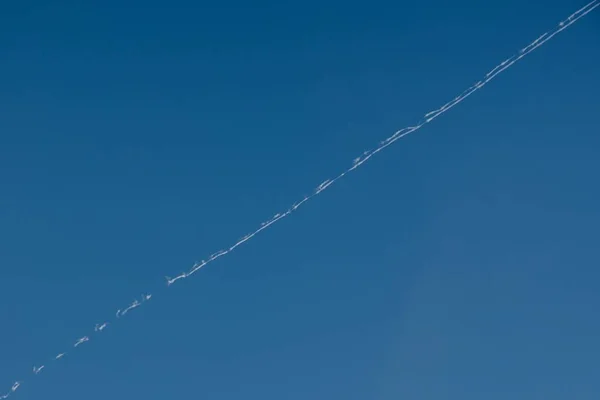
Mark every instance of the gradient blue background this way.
pixel 138 137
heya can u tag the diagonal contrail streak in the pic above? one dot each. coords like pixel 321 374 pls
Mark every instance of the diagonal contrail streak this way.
pixel 430 116
pixel 357 162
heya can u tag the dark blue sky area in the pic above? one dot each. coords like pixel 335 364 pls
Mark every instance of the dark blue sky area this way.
pixel 139 137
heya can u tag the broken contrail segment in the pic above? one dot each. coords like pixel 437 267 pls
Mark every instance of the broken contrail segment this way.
pixel 357 162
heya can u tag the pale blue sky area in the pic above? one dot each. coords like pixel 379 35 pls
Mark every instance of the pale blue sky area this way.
pixel 138 137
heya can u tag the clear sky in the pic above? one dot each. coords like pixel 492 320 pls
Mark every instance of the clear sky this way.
pixel 138 137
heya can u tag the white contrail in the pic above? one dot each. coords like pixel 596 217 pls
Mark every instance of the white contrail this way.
pixel 430 116
pixel 81 341
pixel 135 304
pixel 536 41
pixel 100 327
pixel 502 64
pixel 173 280
pixel 357 162
pixel 13 389
pixel 37 370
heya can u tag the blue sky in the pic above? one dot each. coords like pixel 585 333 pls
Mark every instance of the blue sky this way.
pixel 139 137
